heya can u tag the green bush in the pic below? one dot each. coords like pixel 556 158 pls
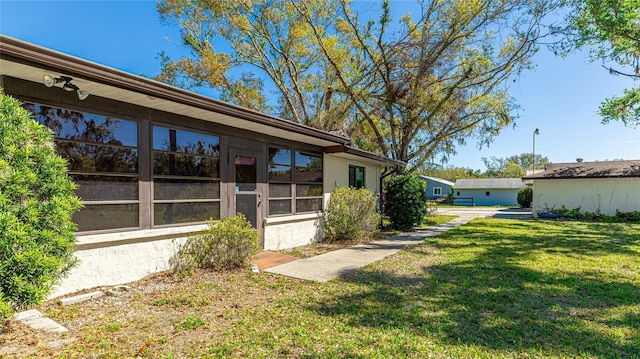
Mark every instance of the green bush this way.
pixel 525 197
pixel 406 202
pixel 577 214
pixel 36 203
pixel 351 214
pixel 227 244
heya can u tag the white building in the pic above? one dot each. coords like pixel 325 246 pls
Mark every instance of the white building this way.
pixel 598 187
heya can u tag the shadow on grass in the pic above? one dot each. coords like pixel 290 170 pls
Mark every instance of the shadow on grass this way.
pixel 489 299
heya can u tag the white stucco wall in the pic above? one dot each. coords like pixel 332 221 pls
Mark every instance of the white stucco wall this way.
pixel 292 231
pixel 336 174
pixel 599 195
pixel 118 258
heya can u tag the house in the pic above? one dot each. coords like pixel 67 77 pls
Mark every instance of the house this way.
pixel 488 191
pixel 153 162
pixel 598 187
pixel 437 187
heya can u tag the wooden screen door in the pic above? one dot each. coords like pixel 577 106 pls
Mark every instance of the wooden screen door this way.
pixel 247 171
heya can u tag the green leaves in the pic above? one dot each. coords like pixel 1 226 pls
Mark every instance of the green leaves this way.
pixel 229 243
pixel 36 204
pixel 351 214
pixel 406 203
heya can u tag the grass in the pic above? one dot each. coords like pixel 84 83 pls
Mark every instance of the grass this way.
pixel 435 219
pixel 490 289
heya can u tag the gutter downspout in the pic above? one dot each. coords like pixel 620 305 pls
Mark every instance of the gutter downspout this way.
pixel 387 172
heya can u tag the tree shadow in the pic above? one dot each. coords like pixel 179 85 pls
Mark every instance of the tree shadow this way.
pixel 492 301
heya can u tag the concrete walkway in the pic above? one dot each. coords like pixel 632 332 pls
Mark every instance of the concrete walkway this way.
pixel 333 264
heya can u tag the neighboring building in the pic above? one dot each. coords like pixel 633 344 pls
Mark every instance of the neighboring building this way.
pixel 599 187
pixel 437 187
pixel 488 191
pixel 154 162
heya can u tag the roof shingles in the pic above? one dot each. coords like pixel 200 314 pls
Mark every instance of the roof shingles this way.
pixel 604 169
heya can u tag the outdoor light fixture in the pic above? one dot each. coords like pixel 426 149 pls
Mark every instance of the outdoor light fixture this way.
pixel 51 81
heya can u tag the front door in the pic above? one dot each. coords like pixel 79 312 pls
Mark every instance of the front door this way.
pixel 247 172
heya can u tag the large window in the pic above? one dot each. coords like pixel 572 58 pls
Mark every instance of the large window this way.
pixel 294 191
pixel 102 153
pixel 280 181
pixel 186 176
pixel 356 176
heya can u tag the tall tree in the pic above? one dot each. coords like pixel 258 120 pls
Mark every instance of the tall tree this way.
pixel 513 166
pixel 611 30
pixel 450 173
pixel 412 89
pixel 236 44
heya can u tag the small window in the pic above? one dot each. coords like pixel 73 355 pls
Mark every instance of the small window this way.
pixel 356 176
pixel 487 193
pixel 437 191
pixel 458 193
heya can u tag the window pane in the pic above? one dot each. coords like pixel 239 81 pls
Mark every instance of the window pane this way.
pixel 164 189
pixel 359 177
pixel 308 205
pixel 106 188
pixel 279 190
pixel 247 204
pixel 308 190
pixel 246 173
pixel 96 158
pixel 308 168
pixel 184 165
pixel 356 176
pixel 106 216
pixel 279 173
pixel 86 127
pixel 172 213
pixel 279 156
pixel 166 139
pixel 279 206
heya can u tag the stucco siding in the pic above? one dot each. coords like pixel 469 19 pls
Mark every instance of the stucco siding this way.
pixel 496 197
pixel 599 195
pixel 336 174
pixel 292 231
pixel 118 264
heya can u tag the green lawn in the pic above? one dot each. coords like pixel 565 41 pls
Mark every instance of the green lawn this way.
pixel 490 289
pixel 495 288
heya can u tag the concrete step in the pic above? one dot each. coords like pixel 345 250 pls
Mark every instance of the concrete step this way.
pixel 36 320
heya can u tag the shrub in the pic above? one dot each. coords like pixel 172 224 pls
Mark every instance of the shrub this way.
pixel 36 203
pixel 226 244
pixel 406 201
pixel 525 197
pixel 351 214
pixel 576 213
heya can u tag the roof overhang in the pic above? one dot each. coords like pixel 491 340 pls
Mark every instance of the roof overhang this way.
pixel 31 62
pixel 352 153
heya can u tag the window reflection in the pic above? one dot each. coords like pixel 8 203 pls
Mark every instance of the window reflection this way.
pixel 166 139
pixel 186 167
pixel 102 156
pixel 86 127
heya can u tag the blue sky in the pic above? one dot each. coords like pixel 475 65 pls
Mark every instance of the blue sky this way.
pixel 560 96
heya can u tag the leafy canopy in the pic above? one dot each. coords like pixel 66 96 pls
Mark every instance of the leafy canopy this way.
pixel 412 88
